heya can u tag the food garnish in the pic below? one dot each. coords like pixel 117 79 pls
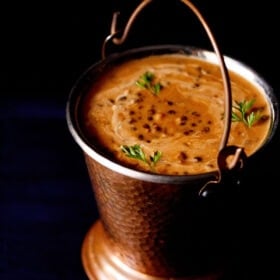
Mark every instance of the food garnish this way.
pixel 242 112
pixel 146 81
pixel 136 152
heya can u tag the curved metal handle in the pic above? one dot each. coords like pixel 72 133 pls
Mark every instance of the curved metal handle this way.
pixel 225 75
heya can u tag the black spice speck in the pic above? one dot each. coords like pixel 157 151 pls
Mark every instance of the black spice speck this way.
pixel 182 156
pixel 198 159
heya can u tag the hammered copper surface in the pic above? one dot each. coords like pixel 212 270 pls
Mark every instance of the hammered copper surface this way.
pixel 100 264
pixel 161 229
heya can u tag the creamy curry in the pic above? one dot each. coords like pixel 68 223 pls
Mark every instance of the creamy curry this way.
pixel 164 114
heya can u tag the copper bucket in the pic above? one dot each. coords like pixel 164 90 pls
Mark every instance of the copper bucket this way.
pixel 159 226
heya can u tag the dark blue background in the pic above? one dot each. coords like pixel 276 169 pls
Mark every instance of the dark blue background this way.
pixel 46 201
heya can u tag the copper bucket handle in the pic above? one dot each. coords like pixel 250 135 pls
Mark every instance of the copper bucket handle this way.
pixel 237 152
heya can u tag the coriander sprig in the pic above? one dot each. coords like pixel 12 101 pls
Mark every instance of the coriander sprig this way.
pixel 136 152
pixel 244 114
pixel 146 81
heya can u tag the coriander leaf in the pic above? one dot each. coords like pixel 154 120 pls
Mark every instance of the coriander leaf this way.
pixel 155 157
pixel 146 81
pixel 252 118
pixel 156 88
pixel 241 113
pixel 136 152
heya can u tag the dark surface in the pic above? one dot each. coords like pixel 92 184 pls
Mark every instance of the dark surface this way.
pixel 46 205
pixel 46 202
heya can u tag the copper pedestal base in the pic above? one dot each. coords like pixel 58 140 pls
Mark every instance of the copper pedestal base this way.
pixel 100 264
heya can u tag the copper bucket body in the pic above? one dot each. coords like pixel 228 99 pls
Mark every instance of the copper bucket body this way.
pixel 160 227
pixel 156 226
